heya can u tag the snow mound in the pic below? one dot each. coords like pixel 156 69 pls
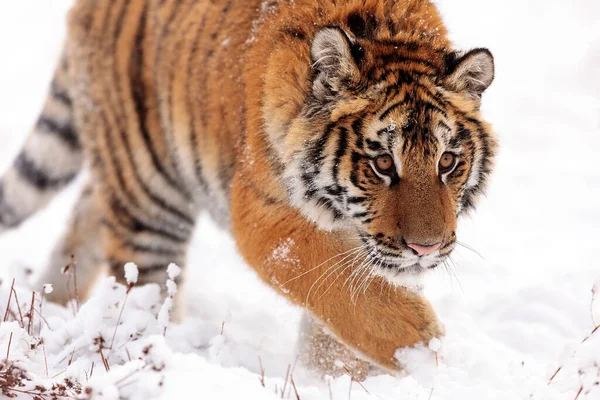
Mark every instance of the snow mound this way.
pixel 120 344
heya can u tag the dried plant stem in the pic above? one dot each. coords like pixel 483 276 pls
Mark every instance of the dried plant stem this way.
pixel 92 370
pixel 74 265
pixel 354 379
pixel 9 344
pixel 104 361
pixel 12 287
pixel 41 317
pixel 30 323
pixel 262 372
pixel 295 388
pixel 112 341
pixel 588 337
pixel 287 376
pixel 19 309
pixel 45 358
pixel 592 305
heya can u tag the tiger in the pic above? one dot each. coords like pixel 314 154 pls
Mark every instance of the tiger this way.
pixel 338 141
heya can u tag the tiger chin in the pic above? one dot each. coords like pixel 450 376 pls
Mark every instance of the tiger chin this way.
pixel 338 141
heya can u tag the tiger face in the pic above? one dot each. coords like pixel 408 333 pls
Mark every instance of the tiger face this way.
pixel 393 148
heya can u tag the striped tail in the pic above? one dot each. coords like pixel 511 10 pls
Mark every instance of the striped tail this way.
pixel 50 159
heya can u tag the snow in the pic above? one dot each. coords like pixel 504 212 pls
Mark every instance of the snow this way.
pixel 131 273
pixel 173 271
pixel 516 309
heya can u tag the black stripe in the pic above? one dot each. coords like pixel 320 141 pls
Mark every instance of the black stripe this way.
pixel 342 146
pixel 361 214
pixel 132 222
pixel 66 132
pixel 8 219
pixel 330 206
pixel 356 200
pixel 314 159
pixel 37 177
pixel 373 145
pixel 59 94
pixel 390 110
pixel 130 244
pixel 294 33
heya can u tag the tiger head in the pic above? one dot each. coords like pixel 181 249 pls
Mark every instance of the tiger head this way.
pixel 389 146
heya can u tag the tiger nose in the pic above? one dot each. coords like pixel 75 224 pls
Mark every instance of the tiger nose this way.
pixel 424 250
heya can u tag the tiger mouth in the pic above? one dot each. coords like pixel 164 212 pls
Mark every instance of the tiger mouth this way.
pixel 388 260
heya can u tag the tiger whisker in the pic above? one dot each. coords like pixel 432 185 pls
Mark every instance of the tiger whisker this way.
pixel 360 271
pixel 326 261
pixel 450 269
pixel 347 265
pixel 344 264
pixel 365 274
pixel 324 273
pixel 471 249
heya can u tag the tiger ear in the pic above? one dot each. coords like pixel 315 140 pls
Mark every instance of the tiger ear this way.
pixel 335 56
pixel 472 72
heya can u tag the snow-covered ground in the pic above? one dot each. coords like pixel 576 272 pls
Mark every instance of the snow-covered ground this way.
pixel 514 314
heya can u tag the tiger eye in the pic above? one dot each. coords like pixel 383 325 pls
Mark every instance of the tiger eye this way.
pixel 384 164
pixel 447 162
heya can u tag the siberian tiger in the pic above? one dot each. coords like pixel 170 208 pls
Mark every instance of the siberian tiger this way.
pixel 338 141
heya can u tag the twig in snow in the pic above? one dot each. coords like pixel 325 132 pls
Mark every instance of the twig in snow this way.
pixel 42 318
pixel 41 305
pixel 9 343
pixel 74 264
pixel 262 372
pixel 72 267
pixel 106 366
pixel 112 342
pixel 430 394
pixel 59 374
pixel 99 341
pixel 580 387
pixel 287 376
pixel 92 370
pixel 30 315
pixel 12 287
pixel 19 308
pixel 588 337
pixel 354 379
pixel 592 305
pixel 295 389
pixel 350 389
pixel 45 357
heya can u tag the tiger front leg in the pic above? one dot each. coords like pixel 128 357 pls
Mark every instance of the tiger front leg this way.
pixel 310 267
